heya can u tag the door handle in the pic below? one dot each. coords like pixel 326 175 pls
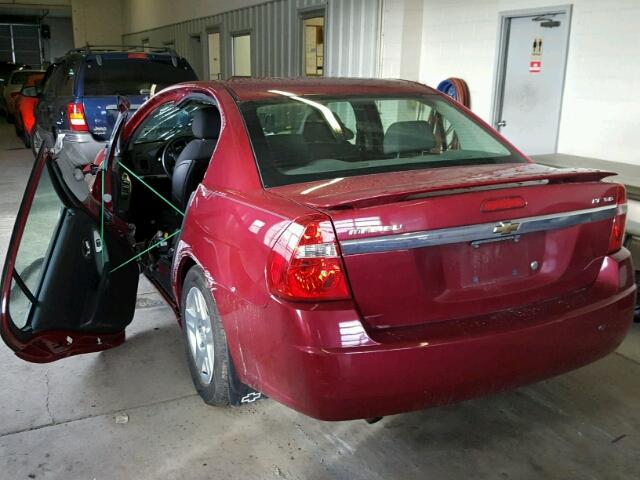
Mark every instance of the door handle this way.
pixel 501 123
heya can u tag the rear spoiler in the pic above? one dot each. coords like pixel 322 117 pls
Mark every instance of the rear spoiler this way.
pixel 438 184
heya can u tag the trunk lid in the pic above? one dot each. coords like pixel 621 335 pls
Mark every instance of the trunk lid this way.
pixel 439 245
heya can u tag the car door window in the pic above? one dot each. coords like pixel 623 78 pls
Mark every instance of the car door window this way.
pixel 166 122
pixel 51 82
pixel 40 229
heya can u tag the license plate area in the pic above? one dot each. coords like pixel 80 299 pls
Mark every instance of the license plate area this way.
pixel 497 261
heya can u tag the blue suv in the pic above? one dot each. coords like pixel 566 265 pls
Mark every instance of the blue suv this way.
pixel 78 103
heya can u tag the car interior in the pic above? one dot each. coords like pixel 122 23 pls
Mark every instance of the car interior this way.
pixel 157 170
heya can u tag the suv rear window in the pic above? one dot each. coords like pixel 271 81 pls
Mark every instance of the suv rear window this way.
pixel 133 76
pixel 302 139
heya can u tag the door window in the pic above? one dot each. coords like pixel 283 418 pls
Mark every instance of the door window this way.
pixel 38 235
pixel 214 56
pixel 52 81
pixel 165 123
pixel 67 80
pixel 241 49
pixel 313 46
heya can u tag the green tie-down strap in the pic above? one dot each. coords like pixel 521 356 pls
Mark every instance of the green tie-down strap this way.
pixel 157 244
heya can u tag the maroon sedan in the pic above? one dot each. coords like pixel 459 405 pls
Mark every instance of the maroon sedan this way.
pixel 349 248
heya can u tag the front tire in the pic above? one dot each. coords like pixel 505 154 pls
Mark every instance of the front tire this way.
pixel 206 346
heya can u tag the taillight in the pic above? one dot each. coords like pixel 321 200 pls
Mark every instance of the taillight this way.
pixel 617 229
pixel 305 264
pixel 77 121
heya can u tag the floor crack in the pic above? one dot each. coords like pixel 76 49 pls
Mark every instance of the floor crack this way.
pixel 48 407
pixel 85 417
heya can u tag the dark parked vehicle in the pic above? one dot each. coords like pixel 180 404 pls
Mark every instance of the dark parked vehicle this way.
pixel 81 93
pixel 6 69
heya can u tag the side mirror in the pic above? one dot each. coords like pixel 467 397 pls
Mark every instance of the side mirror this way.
pixel 29 92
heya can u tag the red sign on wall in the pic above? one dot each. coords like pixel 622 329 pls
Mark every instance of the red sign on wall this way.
pixel 535 66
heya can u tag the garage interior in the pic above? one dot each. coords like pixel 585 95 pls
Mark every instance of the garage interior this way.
pixel 132 412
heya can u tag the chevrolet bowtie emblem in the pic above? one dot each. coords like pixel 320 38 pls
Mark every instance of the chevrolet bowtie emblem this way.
pixel 506 228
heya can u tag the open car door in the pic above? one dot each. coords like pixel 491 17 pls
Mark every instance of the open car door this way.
pixel 67 287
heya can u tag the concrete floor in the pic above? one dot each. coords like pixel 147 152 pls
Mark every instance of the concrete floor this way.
pixel 57 421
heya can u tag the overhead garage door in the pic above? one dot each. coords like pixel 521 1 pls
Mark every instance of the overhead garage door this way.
pixel 6 51
pixel 20 44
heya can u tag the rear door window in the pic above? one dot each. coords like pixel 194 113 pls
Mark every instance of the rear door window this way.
pixel 51 79
pixel 132 76
pixel 67 79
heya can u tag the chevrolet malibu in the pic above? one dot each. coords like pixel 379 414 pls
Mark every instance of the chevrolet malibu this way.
pixel 350 248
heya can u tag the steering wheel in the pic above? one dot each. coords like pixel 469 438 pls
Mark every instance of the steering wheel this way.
pixel 171 152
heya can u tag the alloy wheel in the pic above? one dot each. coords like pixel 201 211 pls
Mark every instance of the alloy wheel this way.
pixel 199 334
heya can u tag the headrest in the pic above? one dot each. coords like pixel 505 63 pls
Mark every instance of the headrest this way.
pixel 410 136
pixel 316 129
pixel 206 123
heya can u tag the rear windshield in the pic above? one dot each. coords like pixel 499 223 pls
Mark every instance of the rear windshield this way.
pixel 20 77
pixel 133 76
pixel 302 139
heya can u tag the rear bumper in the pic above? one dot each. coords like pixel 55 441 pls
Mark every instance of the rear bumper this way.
pixel 337 371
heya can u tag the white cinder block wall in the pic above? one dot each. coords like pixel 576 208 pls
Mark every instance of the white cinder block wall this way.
pixel 601 105
pixel 97 22
pixel 402 27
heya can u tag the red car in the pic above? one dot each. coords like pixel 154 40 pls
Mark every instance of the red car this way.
pixel 350 248
pixel 25 104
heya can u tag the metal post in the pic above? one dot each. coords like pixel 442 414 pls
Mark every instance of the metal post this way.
pixel 13 48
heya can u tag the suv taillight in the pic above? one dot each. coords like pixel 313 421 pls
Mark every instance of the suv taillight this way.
pixel 305 264
pixel 77 120
pixel 617 229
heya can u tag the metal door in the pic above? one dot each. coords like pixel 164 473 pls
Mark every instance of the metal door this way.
pixel 214 56
pixel 531 93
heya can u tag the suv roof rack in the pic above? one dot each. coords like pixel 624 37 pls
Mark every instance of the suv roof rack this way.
pixel 97 49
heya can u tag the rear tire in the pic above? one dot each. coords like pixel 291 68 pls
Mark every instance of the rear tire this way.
pixel 206 346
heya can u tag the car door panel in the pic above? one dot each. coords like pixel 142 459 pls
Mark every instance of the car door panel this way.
pixel 80 284
pixel 66 287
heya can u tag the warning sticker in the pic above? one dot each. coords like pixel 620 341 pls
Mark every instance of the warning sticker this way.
pixel 535 66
